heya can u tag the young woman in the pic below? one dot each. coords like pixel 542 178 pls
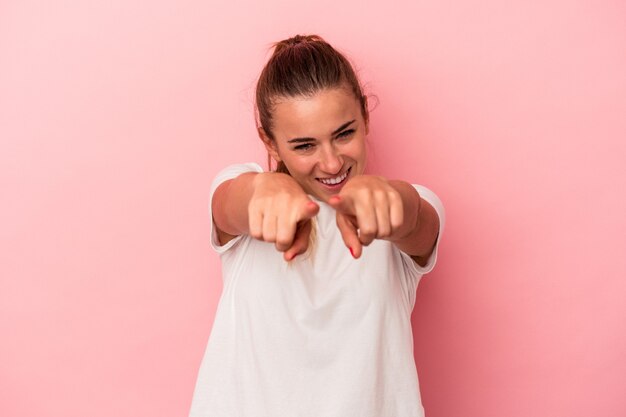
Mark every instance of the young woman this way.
pixel 320 260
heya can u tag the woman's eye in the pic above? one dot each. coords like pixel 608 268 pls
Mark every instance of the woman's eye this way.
pixel 303 147
pixel 345 133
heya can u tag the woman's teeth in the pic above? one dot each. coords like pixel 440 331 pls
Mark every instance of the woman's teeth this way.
pixel 333 181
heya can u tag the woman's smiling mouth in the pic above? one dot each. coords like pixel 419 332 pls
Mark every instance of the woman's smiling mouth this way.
pixel 334 183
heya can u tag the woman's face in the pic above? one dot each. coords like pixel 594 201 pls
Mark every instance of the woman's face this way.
pixel 320 139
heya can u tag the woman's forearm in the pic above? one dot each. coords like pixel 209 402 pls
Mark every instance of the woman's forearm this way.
pixel 230 204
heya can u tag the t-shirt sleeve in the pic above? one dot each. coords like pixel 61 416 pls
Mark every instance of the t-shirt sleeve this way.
pixel 230 172
pixel 434 201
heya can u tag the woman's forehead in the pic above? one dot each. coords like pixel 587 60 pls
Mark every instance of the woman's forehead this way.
pixel 322 112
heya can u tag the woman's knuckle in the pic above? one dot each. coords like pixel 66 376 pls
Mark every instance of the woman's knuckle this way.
pixel 394 196
pixel 283 241
pixel 368 230
pixel 256 233
pixel 384 232
pixel 380 195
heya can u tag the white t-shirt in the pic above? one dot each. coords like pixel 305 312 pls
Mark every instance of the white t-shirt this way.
pixel 323 336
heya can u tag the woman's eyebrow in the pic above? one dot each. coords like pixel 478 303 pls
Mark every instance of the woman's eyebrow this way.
pixel 339 129
pixel 298 140
pixel 343 126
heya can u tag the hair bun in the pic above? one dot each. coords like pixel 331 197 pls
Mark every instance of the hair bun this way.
pixel 295 41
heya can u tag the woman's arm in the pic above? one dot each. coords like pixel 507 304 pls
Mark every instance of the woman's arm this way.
pixel 268 206
pixel 230 206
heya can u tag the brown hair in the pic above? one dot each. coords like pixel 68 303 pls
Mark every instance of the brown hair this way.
pixel 302 66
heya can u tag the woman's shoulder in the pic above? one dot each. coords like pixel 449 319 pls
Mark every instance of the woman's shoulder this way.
pixel 233 170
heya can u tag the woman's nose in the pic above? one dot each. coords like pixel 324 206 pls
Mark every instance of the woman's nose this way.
pixel 331 162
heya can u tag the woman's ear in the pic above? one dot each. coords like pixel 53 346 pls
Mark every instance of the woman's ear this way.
pixel 270 145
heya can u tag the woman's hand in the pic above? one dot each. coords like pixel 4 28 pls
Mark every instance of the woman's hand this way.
pixel 369 207
pixel 280 212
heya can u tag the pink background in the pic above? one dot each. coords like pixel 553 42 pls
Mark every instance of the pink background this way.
pixel 115 116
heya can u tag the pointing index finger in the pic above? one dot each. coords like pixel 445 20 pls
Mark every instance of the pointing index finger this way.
pixel 309 210
pixel 342 204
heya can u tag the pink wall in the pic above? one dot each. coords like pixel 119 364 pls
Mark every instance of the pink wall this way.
pixel 114 117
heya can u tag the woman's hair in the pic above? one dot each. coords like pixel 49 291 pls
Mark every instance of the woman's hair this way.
pixel 300 67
